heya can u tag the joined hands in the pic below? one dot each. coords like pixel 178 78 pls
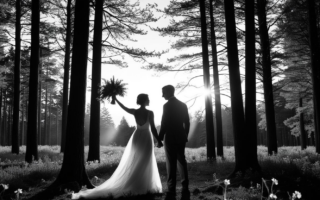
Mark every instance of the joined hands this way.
pixel 159 144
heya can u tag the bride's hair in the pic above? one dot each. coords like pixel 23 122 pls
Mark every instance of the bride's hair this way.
pixel 142 98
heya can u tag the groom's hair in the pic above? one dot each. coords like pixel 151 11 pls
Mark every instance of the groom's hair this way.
pixel 142 98
pixel 169 89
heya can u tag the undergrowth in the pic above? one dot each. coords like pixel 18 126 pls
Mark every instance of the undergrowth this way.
pixel 292 167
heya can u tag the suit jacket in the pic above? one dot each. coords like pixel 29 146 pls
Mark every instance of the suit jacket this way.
pixel 175 122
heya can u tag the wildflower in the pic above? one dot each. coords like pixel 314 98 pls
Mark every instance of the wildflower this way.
pixel 273 196
pixel 258 186
pixel 275 181
pixel 18 191
pixel 5 186
pixel 214 177
pixel 226 183
pixel 296 195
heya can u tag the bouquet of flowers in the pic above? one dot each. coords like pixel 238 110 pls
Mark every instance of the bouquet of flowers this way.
pixel 112 88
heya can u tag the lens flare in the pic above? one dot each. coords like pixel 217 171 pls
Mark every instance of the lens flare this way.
pixel 206 92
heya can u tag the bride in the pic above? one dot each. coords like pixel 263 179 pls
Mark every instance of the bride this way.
pixel 137 172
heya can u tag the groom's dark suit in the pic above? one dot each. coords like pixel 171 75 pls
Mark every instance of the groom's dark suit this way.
pixel 174 130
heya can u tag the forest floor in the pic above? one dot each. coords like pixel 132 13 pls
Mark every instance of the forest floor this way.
pixel 293 169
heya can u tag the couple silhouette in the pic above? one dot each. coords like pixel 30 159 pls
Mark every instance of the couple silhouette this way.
pixel 137 172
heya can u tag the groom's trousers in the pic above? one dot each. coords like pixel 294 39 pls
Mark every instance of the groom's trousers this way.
pixel 175 158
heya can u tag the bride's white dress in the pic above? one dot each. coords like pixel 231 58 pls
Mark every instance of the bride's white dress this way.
pixel 137 172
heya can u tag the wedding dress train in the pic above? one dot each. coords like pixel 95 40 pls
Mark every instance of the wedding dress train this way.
pixel 137 172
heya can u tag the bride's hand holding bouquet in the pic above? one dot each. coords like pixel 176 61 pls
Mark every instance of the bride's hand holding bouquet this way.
pixel 111 88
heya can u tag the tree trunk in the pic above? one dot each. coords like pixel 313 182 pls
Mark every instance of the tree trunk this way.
pixel 4 121
pixel 235 90
pixel 26 124
pixel 94 134
pixel 284 137
pixel 57 136
pixel 40 139
pixel 216 84
pixel 73 169
pixel 303 135
pixel 315 62
pixel 267 79
pixel 279 136
pixel 32 143
pixel 250 88
pixel 45 126
pixel 313 139
pixel 22 119
pixel 1 118
pixel 66 78
pixel 10 122
pixel 16 99
pixel 49 125
pixel 211 150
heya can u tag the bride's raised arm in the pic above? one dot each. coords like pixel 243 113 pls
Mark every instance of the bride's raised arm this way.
pixel 128 110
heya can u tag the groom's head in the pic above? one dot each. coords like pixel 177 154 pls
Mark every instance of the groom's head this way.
pixel 167 92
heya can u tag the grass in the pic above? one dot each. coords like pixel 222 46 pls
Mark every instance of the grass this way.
pixel 294 169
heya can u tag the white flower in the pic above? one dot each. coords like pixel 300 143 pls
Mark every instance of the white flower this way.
pixel 275 181
pixel 5 186
pixel 258 186
pixel 227 182
pixel 297 195
pixel 273 196
pixel 18 191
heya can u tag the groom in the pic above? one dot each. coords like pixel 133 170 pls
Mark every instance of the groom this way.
pixel 174 131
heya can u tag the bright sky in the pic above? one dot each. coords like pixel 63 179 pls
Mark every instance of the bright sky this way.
pixel 144 81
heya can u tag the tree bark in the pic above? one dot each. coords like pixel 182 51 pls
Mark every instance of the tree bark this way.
pixel 73 169
pixel 49 126
pixel 10 114
pixel 303 135
pixel 315 62
pixel 57 136
pixel 16 99
pixel 4 119
pixel 66 78
pixel 40 137
pixel 45 125
pixel 26 128
pixel 216 84
pixel 5 139
pixel 267 78
pixel 32 143
pixel 250 88
pixel 235 90
pixel 94 132
pixel 211 150
pixel 1 118
pixel 22 119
